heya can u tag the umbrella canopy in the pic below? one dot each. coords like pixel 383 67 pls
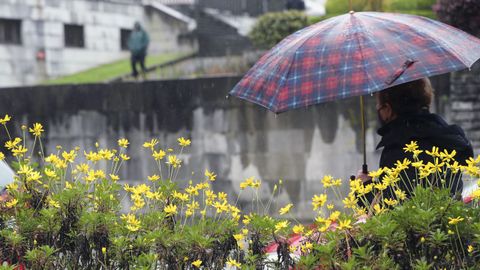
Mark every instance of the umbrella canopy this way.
pixel 354 54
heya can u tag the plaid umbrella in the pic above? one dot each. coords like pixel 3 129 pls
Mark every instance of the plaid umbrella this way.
pixel 353 55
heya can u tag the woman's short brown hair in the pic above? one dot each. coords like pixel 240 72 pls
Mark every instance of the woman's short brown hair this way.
pixel 410 97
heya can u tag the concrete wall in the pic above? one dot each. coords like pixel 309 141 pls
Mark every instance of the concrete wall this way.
pixel 43 29
pixel 236 139
pixel 465 103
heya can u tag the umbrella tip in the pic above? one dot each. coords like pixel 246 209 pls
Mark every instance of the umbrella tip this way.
pixel 352 12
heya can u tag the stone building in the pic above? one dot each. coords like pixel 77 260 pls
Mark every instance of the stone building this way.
pixel 44 39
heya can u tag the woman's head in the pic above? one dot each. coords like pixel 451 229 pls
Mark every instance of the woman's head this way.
pixel 411 97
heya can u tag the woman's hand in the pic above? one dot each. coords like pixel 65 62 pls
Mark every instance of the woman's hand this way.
pixel 363 176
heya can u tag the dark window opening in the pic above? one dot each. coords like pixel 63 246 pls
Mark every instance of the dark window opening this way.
pixel 10 31
pixel 124 35
pixel 74 36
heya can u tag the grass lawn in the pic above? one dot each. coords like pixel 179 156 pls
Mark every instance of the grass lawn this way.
pixel 112 70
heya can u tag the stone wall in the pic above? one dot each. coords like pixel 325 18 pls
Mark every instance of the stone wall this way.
pixel 234 138
pixel 465 103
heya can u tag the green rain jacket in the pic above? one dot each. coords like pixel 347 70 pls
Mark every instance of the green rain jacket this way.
pixel 138 42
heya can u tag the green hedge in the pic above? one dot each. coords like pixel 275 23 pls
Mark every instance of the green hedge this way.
pixel 271 28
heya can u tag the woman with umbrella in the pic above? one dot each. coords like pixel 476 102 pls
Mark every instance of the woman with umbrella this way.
pixel 403 112
pixel 365 53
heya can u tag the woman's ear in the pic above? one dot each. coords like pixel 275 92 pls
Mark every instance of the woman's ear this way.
pixel 389 113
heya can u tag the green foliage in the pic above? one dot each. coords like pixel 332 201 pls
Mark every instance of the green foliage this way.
pixel 400 5
pixel 271 28
pixel 343 6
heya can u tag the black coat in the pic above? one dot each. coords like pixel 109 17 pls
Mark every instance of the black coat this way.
pixel 428 130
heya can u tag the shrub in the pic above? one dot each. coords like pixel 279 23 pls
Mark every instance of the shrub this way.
pixel 463 14
pixel 271 28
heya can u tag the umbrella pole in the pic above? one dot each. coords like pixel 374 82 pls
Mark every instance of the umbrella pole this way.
pixel 362 112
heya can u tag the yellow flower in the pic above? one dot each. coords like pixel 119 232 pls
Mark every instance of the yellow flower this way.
pixel 318 201
pixel 12 186
pixel 5 119
pixel 246 220
pixel 154 178
pixel 379 209
pixel 173 161
pixel 434 152
pixel 36 130
pixel 158 155
pixel 298 229
pixel 53 203
pixel 233 263
pixel 68 185
pixel 12 144
pixel 390 202
pixel 476 194
pixel 83 167
pixel 25 169
pixel 455 221
pixel 350 201
pixel 281 225
pixel 69 156
pixel 285 209
pixel 184 142
pixel 327 181
pixel 19 151
pixel 422 239
pixel 151 144
pixel 50 173
pixel 238 237
pixel 197 263
pixel 124 157
pixel 345 224
pixel 210 175
pixel 376 174
pixel 104 250
pixel 123 143
pixel 11 203
pixel 412 146
pixel 114 177
pixel 307 246
pixel 92 156
pixel 334 216
pixel 400 194
pixel 133 224
pixel 417 164
pixel 470 249
pixel 445 156
pixel 330 206
pixel 170 209
pixel 2 156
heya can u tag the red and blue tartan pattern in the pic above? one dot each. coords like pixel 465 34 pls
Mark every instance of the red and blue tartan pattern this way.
pixel 352 55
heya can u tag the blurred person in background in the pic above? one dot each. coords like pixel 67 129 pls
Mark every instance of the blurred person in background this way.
pixel 138 45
